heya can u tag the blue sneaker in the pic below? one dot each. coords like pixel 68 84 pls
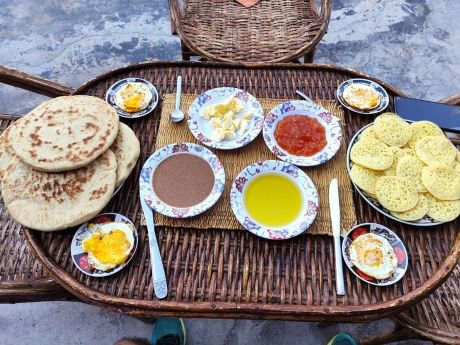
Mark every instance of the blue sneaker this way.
pixel 342 339
pixel 168 331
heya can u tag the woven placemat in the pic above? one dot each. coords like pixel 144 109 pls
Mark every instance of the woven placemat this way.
pixel 220 216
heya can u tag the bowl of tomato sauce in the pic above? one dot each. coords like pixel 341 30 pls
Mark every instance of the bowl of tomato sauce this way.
pixel 302 133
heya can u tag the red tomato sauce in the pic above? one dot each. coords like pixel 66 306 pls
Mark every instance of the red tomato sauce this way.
pixel 300 135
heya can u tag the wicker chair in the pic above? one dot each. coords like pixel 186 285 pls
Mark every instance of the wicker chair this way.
pixel 437 317
pixel 270 31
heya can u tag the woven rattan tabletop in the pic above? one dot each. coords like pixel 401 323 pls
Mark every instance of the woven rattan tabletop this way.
pixel 219 273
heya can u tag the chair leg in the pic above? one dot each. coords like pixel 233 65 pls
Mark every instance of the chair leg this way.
pixel 308 58
pixel 399 333
pixel 186 52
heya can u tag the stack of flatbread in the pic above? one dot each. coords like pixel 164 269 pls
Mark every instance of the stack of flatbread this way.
pixel 60 164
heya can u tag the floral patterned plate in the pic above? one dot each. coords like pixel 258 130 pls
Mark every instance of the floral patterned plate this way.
pixel 425 221
pixel 80 258
pixel 111 92
pixel 384 99
pixel 309 193
pixel 145 180
pixel 306 108
pixel 395 242
pixel 201 128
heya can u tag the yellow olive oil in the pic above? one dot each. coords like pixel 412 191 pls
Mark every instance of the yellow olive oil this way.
pixel 273 199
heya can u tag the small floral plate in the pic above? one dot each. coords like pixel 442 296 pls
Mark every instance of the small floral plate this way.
pixel 201 128
pixel 384 99
pixel 425 221
pixel 306 185
pixel 145 180
pixel 80 258
pixel 111 92
pixel 305 108
pixel 391 237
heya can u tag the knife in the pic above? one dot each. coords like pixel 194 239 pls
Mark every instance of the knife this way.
pixel 160 286
pixel 334 205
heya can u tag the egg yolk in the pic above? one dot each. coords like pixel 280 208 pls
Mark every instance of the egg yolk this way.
pixel 373 257
pixel 134 102
pixel 110 248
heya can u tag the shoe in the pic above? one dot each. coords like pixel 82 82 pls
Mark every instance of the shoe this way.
pixel 342 339
pixel 168 331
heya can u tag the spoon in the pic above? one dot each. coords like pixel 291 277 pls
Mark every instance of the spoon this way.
pixel 177 115
pixel 300 93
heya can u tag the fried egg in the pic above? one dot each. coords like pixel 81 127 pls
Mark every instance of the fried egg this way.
pixel 361 97
pixel 133 97
pixel 373 255
pixel 109 245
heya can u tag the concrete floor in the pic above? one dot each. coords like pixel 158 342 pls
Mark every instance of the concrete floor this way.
pixel 413 45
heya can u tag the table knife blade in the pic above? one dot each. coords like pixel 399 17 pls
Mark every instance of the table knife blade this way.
pixel 160 285
pixel 334 204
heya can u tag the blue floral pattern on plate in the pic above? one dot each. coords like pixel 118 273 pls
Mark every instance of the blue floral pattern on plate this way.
pixel 197 124
pixel 309 192
pixel 305 108
pixel 425 221
pixel 145 180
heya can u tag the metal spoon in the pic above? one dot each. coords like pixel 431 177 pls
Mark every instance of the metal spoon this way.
pixel 177 115
pixel 300 93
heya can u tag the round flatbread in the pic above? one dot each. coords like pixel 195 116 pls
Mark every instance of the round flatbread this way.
pixel 126 148
pixel 435 149
pixel 5 153
pixel 398 153
pixel 411 167
pixel 416 213
pixel 392 130
pixel 371 153
pixel 442 181
pixel 397 194
pixel 365 178
pixel 369 132
pixel 55 201
pixel 422 129
pixel 65 133
pixel 442 210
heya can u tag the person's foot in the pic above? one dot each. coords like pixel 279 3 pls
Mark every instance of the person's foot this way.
pixel 168 332
pixel 342 339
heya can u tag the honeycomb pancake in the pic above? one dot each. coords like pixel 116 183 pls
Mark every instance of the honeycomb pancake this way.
pixel 372 154
pixel 396 193
pixel 436 149
pixel 421 129
pixel 442 181
pixel 126 148
pixel 398 153
pixel 369 132
pixel 361 97
pixel 411 167
pixel 365 178
pixel 65 133
pixel 418 212
pixel 55 201
pixel 392 130
pixel 442 210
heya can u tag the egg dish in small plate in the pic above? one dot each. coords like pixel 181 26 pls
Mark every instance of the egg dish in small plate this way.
pixel 274 200
pixel 375 254
pixel 362 96
pixel 132 97
pixel 104 245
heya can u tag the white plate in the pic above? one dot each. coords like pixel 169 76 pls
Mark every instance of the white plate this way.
pixel 384 99
pixel 306 185
pixel 425 221
pixel 202 129
pixel 80 258
pixel 145 180
pixel 394 241
pixel 305 108
pixel 111 92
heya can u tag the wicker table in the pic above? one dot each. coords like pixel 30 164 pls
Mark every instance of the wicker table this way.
pixel 232 274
